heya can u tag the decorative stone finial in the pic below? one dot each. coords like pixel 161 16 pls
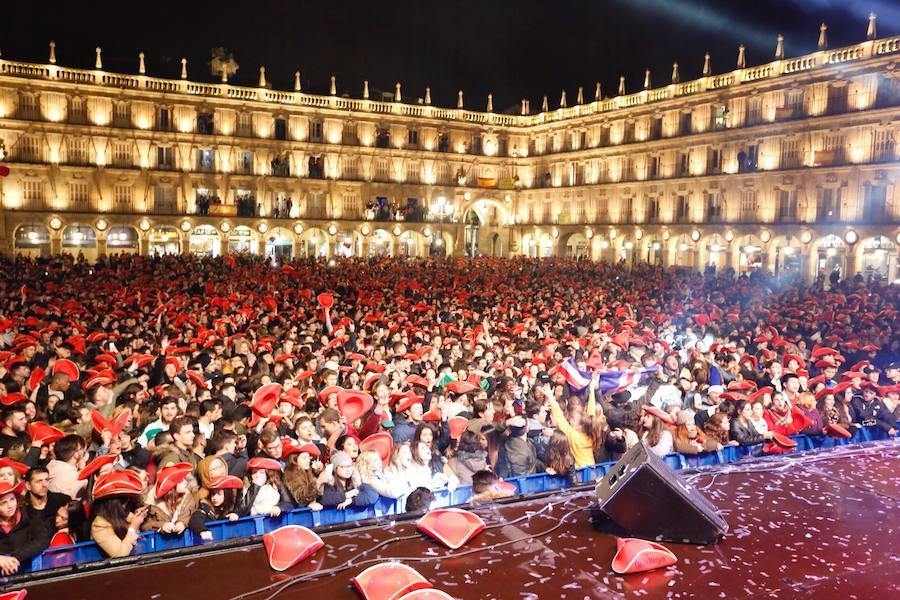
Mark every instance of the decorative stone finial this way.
pixel 366 89
pixel 459 100
pixel 142 68
pixel 523 108
pixel 490 104
pixel 870 32
pixel 647 79
pixel 98 64
pixel 397 96
pixel 580 98
pixel 621 85
pixel 562 99
pixel 779 48
pixel 598 94
pixel 297 86
pixel 262 77
pixel 675 77
pixel 333 86
pixel 545 106
pixel 823 38
pixel 184 68
pixel 52 53
pixel 428 96
pixel 742 60
pixel 706 68
pixel 224 74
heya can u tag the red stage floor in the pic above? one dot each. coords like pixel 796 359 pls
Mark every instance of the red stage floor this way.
pixel 816 525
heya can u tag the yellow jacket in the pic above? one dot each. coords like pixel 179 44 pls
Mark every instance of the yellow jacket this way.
pixel 580 444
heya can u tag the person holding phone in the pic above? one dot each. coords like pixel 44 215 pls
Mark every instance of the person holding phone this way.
pixel 118 512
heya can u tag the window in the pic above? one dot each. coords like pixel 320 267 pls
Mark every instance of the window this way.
pixel 412 137
pixel 79 196
pixel 875 203
pixel 686 123
pixel 315 131
pixel 442 172
pixel 382 170
pixel 681 209
pixel 719 117
pixel 837 99
pixel 350 205
pixel 754 111
pixel 77 151
pixel 122 198
pixel 205 160
pixel 790 154
pixel 122 115
pixel 164 200
pixel 33 193
pixel 683 166
pixel 653 210
pixel 316 206
pixel 205 123
pixel 30 149
pixel 412 171
pixel 714 161
pixel 714 206
pixel 828 205
pixel 475 147
pixel 28 106
pixel 748 205
pixel 122 156
pixel 245 124
pixel 832 152
pixel 883 145
pixel 627 209
pixel 350 167
pixel 656 128
pixel 78 111
pixel 165 157
pixel 247 163
pixel 653 167
pixel 165 119
pixel 280 129
pixel 787 205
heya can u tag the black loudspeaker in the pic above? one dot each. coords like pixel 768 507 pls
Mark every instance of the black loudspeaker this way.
pixel 647 499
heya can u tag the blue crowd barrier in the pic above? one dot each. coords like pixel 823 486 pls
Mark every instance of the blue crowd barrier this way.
pixel 246 527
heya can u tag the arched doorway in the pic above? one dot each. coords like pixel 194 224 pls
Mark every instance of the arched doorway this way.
pixel 81 240
pixel 380 244
pixel 314 243
pixel 716 252
pixel 279 244
pixel 412 244
pixel 122 239
pixel 204 241
pixel 440 244
pixel 655 251
pixel 472 225
pixel 347 243
pixel 683 250
pixel 831 258
pixel 496 245
pixel 750 249
pixel 788 256
pixel 32 240
pixel 242 239
pixel 164 240
pixel 578 246
pixel 878 260
pixel 529 246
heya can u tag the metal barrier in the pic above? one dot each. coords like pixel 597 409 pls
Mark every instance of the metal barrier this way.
pixel 246 527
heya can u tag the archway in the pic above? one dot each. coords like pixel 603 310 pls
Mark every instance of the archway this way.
pixel 314 243
pixel 878 258
pixel 750 253
pixel 496 245
pixel 279 243
pixel 348 243
pixel 32 240
pixel 204 241
pixel 412 244
pixel 472 224
pixel 441 244
pixel 242 239
pixel 578 246
pixel 380 244
pixel 683 251
pixel 656 251
pixel 788 251
pixel 80 239
pixel 122 239
pixel 164 240
pixel 830 254
pixel 716 252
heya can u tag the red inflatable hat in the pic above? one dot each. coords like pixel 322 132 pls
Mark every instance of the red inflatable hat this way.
pixel 197 378
pixel 35 379
pixel 18 594
pixel 258 462
pixel 96 464
pixel 427 594
pixel 102 424
pixel 433 415
pixel 460 387
pixel 837 431
pixel 783 440
pixel 457 426
pixel 60 538
pixel 325 300
pixel 382 443
pixel 286 546
pixel 407 402
pixel 16 466
pixel 452 527
pixel 118 482
pixel 226 482
pixel 389 581
pixel 636 556
pixel 331 389
pixel 773 448
pixel 264 401
pixel 758 394
pixel 44 433
pixel 13 398
pixel 352 404
pixel 8 487
pixel 416 380
pixel 171 476
pixel 661 415
pixel 64 365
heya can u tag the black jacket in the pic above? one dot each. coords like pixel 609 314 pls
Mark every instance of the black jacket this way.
pixel 285 501
pixel 873 413
pixel 745 434
pixel 26 540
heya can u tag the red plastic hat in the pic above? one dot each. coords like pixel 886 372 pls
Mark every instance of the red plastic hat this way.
pixel 102 424
pixel 460 387
pixel 119 482
pixel 407 402
pixel 16 466
pixel 64 365
pixel 8 487
pixel 197 378
pixel 389 581
pixel 259 462
pixel 416 380
pixel 773 448
pixel 96 464
pixel 13 398
pixel 836 431
pixel 331 389
pixel 433 415
pixel 382 443
pixel 452 527
pixel 60 538
pixel 44 433
pixel 428 594
pixel 286 546
pixel 352 404
pixel 758 394
pixel 169 477
pixel 457 426
pixel 325 300
pixel 18 594
pixel 783 440
pixel 264 401
pixel 94 381
pixel 636 556
pixel 37 376
pixel 226 482
pixel 661 415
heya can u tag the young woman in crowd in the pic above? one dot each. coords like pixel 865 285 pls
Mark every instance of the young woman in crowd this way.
pixel 265 493
pixel 655 432
pixel 688 438
pixel 341 486
pixel 219 504
pixel 175 500
pixel 301 476
pixel 718 431
pixel 559 456
pixel 743 429
pixel 470 457
pixel 117 512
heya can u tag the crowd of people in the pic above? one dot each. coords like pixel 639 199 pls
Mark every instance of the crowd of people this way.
pixel 163 393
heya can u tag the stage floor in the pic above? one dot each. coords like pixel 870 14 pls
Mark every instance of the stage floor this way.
pixel 823 524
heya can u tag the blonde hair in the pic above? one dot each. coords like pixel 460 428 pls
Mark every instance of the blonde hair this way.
pixel 807 400
pixel 367 463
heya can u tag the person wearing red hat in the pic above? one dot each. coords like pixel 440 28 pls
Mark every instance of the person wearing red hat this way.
pixel 470 456
pixel 175 500
pixel 21 537
pixel 117 513
pixel 219 505
pixel 784 418
pixel 656 433
pixel 265 492
pixel 301 475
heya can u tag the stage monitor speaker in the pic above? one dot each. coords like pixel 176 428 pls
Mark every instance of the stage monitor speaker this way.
pixel 646 498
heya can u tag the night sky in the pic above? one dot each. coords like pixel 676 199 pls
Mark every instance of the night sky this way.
pixel 514 49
